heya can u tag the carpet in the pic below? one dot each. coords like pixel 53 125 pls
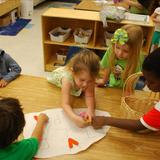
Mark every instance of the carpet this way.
pixel 14 28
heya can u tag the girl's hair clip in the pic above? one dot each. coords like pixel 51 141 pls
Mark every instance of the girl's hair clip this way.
pixel 120 36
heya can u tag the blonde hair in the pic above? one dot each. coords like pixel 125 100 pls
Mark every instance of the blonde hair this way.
pixel 135 40
pixel 85 60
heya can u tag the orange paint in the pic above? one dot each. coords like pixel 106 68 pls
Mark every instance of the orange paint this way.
pixel 72 142
pixel 35 117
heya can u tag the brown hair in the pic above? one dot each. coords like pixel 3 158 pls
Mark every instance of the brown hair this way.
pixel 135 40
pixel 11 121
pixel 86 60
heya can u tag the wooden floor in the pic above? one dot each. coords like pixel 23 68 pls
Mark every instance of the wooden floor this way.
pixel 36 94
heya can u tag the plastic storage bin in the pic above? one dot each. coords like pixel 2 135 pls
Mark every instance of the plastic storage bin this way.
pixel 59 34
pixel 108 36
pixel 61 54
pixel 82 36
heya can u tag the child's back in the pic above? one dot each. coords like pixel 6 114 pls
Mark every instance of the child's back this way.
pixel 22 150
pixel 11 126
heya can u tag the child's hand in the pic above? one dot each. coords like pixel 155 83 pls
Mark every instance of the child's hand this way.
pixel 38 130
pixel 98 122
pixel 100 83
pixel 43 118
pixel 126 1
pixel 80 122
pixel 87 116
pixel 3 83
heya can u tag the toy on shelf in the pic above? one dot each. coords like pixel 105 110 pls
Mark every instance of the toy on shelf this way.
pixel 82 36
pixel 61 54
pixel 107 37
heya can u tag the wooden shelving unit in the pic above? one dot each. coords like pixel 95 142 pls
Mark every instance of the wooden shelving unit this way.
pixel 8 6
pixel 71 18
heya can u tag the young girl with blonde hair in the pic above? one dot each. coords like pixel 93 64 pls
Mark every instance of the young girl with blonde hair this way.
pixel 76 77
pixel 151 119
pixel 123 57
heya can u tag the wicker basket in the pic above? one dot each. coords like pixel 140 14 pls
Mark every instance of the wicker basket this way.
pixel 134 106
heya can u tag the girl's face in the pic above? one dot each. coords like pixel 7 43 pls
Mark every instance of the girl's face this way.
pixel 83 79
pixel 121 51
pixel 152 81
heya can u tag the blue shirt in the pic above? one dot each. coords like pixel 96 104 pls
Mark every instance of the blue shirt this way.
pixel 9 69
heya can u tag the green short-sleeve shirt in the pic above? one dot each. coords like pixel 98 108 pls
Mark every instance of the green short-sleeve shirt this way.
pixel 136 10
pixel 113 81
pixel 22 150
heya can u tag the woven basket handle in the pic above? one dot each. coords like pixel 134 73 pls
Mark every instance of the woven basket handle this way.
pixel 129 84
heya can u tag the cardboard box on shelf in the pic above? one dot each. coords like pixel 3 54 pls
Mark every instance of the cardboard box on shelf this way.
pixel 5 20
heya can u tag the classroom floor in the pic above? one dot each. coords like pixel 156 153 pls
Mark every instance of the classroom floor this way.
pixel 26 46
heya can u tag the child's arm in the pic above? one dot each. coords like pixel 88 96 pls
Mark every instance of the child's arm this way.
pixel 102 82
pixel 90 101
pixel 13 67
pixel 3 83
pixel 153 16
pixel 38 130
pixel 66 103
pixel 133 3
pixel 99 121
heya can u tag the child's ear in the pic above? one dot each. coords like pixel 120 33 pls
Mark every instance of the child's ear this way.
pixel 71 69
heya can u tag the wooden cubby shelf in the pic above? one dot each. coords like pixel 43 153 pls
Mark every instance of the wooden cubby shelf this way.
pixel 70 18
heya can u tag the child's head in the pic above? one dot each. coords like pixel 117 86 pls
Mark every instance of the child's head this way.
pixel 151 70
pixel 157 11
pixel 127 44
pixel 11 121
pixel 85 67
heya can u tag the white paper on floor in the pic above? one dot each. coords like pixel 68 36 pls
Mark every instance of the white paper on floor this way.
pixel 60 130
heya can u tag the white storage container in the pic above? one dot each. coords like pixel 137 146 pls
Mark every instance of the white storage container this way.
pixel 26 8
pixel 108 36
pixel 62 54
pixel 59 34
pixel 82 36
pixel 61 57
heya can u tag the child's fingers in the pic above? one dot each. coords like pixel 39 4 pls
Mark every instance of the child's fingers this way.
pixel 88 119
pixel 82 114
pixel 97 127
